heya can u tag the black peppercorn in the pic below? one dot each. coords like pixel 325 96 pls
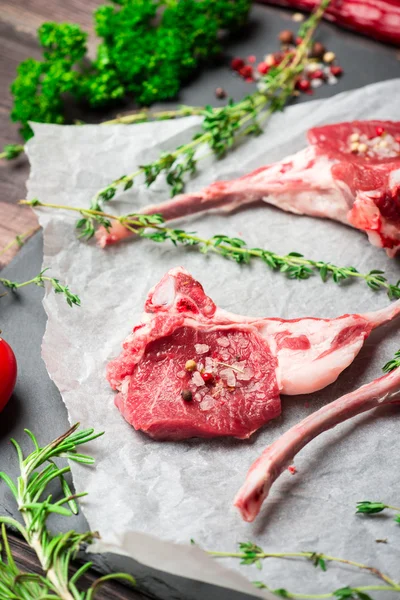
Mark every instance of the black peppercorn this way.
pixel 220 93
pixel 286 37
pixel 318 50
pixel 187 395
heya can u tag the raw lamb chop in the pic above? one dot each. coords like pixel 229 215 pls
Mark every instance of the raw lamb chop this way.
pixel 350 172
pixel 379 19
pixel 192 369
pixel 267 468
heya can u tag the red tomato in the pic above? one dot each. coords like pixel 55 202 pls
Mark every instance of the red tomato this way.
pixel 8 372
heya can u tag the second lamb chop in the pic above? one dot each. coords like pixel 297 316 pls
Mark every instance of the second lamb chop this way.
pixel 273 461
pixel 349 172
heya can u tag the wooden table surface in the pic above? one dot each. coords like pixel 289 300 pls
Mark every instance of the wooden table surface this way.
pixel 19 20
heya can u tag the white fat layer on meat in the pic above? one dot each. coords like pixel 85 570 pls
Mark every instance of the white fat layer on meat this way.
pixel 394 178
pixel 308 172
pixel 302 371
pixel 365 215
pixel 164 294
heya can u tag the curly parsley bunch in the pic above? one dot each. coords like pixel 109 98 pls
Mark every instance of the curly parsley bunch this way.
pixel 149 48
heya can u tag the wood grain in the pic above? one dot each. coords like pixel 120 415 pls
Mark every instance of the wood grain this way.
pixel 26 560
pixel 19 20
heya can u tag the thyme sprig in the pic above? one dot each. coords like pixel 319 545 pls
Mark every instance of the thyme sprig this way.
pixel 221 127
pixel 59 288
pixel 143 115
pixel 293 265
pixel 251 554
pixel 54 552
pixel 19 240
pixel 345 593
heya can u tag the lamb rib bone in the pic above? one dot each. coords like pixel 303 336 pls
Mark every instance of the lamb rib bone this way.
pixel 326 179
pixel 250 361
pixel 273 461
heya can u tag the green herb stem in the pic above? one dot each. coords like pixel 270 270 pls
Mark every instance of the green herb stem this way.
pixel 19 240
pixel 223 126
pixel 11 151
pixel 294 265
pixel 358 593
pixel 308 555
pixel 72 299
pixel 37 471
pixel 142 116
pixel 389 366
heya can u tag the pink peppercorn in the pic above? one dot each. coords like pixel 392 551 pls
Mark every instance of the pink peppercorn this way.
pixel 379 131
pixel 246 71
pixel 298 41
pixel 303 85
pixel 318 74
pixel 251 58
pixel 207 377
pixel 336 70
pixel 237 63
pixel 263 68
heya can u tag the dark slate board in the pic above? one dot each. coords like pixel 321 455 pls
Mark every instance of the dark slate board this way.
pixel 36 403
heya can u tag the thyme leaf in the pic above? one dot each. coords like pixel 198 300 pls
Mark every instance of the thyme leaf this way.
pixel 370 508
pixel 392 364
pixel 59 288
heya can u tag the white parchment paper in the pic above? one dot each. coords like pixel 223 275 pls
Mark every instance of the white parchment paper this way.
pixel 146 496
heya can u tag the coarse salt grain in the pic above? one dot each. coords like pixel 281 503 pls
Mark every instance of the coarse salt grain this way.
pixel 229 376
pixel 223 341
pixel 209 365
pixel 316 83
pixel 207 403
pixel 246 376
pixel 197 379
pixel 201 348
pixel 312 67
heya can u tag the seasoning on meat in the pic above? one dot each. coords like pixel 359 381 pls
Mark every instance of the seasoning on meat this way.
pixel 245 365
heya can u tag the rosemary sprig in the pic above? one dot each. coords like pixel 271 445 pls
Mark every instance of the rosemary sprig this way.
pixel 221 127
pixel 370 508
pixel 293 265
pixel 59 288
pixel 54 552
